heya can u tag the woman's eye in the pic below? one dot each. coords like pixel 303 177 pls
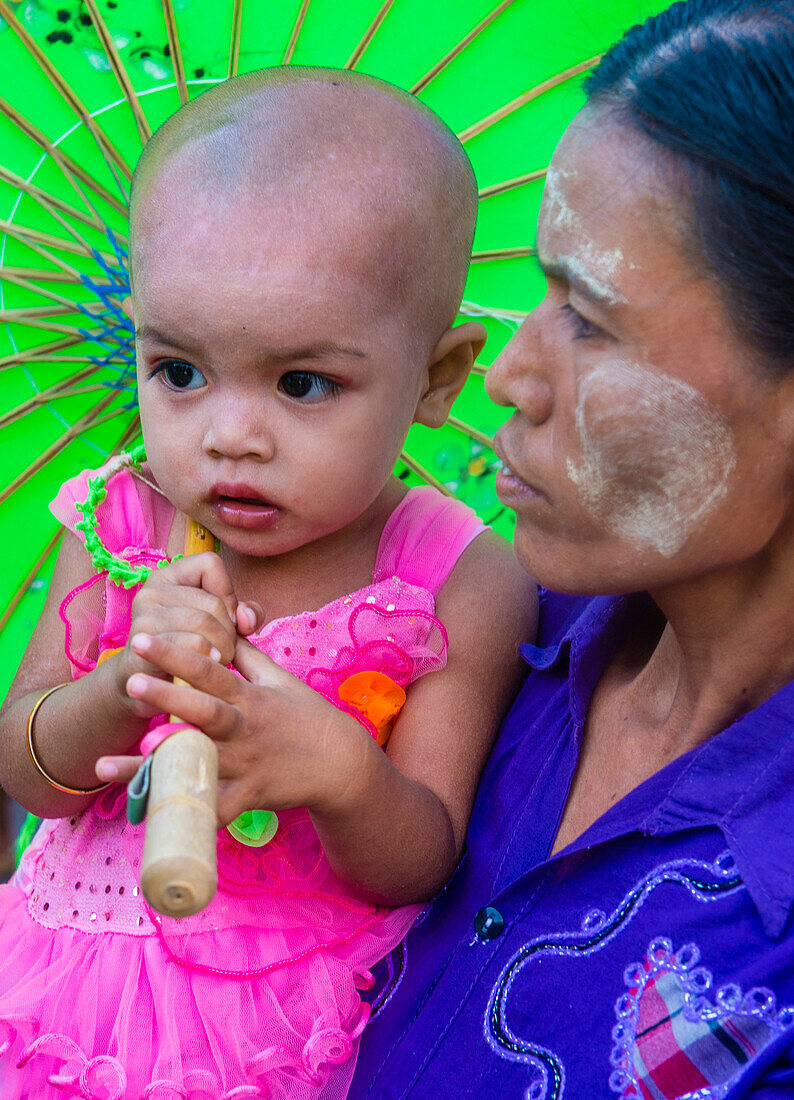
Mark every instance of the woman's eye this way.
pixel 582 327
pixel 306 386
pixel 179 375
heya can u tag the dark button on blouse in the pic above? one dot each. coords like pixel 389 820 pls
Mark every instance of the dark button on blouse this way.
pixel 488 923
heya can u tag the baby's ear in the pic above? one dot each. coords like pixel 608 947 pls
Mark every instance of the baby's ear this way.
pixel 447 370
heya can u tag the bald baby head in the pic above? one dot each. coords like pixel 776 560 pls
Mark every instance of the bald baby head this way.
pixel 337 155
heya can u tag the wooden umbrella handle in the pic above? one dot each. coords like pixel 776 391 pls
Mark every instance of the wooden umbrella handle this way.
pixel 179 874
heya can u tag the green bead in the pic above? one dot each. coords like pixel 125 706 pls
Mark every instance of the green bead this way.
pixel 254 828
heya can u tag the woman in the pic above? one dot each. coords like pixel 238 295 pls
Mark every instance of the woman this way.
pixel 622 922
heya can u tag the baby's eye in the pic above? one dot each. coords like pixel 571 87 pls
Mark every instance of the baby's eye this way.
pixel 180 375
pixel 305 385
pixel 582 327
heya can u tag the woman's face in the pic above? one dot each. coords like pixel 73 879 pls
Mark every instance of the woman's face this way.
pixel 648 445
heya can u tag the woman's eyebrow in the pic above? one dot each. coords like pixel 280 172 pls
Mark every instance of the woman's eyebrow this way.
pixel 582 278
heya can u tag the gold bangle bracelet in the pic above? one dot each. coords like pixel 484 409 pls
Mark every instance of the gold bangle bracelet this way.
pixel 35 759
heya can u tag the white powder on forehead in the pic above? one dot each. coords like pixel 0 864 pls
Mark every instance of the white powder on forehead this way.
pixel 656 456
pixel 587 271
pixel 594 266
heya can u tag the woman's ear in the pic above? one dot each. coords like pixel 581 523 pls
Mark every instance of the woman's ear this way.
pixel 126 307
pixel 447 370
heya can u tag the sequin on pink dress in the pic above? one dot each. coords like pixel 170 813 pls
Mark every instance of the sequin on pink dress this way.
pixel 259 995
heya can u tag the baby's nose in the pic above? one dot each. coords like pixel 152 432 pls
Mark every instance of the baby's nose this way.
pixel 237 431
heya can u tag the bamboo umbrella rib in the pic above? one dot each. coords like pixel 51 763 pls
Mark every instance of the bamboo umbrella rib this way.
pixel 48 201
pixel 45 326
pixel 502 254
pixel 27 357
pixel 67 165
pixel 83 424
pixel 546 86
pixel 412 464
pixel 234 48
pixel 43 351
pixel 31 314
pixel 71 179
pixel 369 34
pixel 50 295
pixel 116 64
pixel 479 369
pixel 121 410
pixel 48 240
pixel 108 149
pixel 472 433
pixel 20 235
pixel 510 185
pixel 59 390
pixel 76 359
pixel 31 576
pixel 73 233
pixel 296 29
pixel 175 50
pixel 461 46
pixel 51 202
pixel 11 274
pixel 132 429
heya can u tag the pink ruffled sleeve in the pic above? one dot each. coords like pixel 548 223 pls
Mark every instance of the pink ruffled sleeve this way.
pixel 424 537
pixel 132 515
pixel 133 522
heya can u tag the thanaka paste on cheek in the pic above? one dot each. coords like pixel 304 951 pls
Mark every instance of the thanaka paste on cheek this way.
pixel 655 455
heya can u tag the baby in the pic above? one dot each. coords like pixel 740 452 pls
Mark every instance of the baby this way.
pixel 299 246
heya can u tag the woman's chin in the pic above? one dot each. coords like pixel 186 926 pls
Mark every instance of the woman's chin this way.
pixel 591 568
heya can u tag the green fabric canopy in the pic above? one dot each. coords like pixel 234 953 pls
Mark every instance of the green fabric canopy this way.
pixel 83 84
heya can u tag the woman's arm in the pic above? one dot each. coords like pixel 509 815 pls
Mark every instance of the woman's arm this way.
pixel 393 826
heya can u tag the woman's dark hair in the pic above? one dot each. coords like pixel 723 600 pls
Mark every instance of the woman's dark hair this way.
pixel 713 82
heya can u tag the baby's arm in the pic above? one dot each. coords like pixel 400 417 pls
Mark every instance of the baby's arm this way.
pixel 392 825
pixel 94 715
pixel 406 823
pixel 69 721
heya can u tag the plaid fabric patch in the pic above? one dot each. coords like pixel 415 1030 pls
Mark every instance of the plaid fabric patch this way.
pixel 676 1052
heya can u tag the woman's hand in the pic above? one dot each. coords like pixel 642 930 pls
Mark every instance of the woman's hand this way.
pixel 280 743
pixel 192 603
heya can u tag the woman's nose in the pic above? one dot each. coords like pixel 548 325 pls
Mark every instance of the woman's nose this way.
pixel 519 377
pixel 238 430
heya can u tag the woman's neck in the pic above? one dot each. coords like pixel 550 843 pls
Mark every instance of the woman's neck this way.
pixel 727 646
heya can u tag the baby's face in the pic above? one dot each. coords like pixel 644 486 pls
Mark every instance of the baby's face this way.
pixel 277 381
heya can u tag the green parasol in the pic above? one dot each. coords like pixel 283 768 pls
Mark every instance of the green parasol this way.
pixel 82 86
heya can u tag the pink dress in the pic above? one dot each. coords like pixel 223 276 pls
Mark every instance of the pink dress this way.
pixel 259 995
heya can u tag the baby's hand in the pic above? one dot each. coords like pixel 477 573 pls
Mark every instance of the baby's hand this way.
pixel 280 743
pixel 191 603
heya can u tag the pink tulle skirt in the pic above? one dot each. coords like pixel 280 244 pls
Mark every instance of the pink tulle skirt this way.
pixel 243 1001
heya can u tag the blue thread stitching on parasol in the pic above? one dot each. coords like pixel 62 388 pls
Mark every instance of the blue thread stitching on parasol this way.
pixel 115 332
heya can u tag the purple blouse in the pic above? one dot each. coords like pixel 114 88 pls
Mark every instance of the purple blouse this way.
pixel 652 958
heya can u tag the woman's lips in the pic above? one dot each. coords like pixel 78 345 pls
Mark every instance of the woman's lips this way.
pixel 511 488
